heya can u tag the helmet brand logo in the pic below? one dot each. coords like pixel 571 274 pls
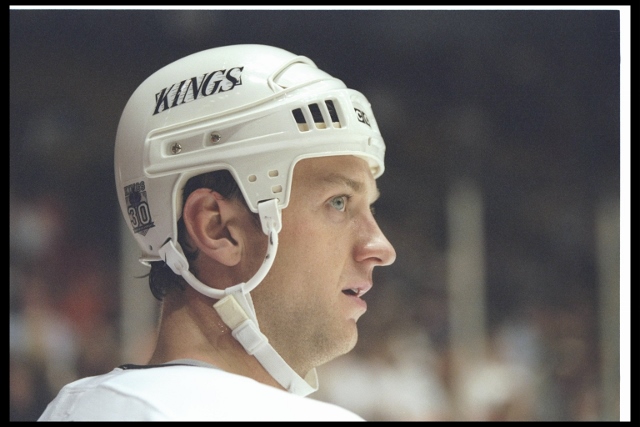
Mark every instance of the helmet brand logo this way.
pixel 362 117
pixel 200 86
pixel 138 208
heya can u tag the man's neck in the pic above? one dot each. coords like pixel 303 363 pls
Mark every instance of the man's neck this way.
pixel 190 328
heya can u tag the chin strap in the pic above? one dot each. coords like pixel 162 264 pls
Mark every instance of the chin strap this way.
pixel 246 331
pixel 235 306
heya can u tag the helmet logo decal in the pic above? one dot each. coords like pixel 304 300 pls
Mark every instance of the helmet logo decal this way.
pixel 138 208
pixel 362 117
pixel 190 89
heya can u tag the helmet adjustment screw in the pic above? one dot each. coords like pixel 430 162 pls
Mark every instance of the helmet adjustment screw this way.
pixel 215 137
pixel 176 148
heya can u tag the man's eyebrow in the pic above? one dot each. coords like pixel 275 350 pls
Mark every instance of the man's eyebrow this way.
pixel 357 186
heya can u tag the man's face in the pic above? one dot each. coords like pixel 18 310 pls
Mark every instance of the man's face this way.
pixel 330 242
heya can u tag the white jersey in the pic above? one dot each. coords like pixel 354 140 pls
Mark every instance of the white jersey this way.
pixel 183 391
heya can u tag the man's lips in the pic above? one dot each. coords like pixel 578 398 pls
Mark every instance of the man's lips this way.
pixel 357 290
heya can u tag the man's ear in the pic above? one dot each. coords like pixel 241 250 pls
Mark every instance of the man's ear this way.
pixel 207 216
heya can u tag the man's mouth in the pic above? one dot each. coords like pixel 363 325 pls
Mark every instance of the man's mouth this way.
pixel 357 290
pixel 353 292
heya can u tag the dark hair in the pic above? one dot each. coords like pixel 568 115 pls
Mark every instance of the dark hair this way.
pixel 161 278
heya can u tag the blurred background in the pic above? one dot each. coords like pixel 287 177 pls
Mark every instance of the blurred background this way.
pixel 502 197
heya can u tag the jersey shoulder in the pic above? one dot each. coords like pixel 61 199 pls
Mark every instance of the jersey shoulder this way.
pixel 184 393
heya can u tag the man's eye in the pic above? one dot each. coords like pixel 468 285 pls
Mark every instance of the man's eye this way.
pixel 339 203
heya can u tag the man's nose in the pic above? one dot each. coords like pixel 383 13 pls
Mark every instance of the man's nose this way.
pixel 375 246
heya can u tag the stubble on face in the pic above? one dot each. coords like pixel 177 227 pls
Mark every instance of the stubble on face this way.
pixel 300 305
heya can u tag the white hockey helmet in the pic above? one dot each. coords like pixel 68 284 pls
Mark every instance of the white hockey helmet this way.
pixel 254 110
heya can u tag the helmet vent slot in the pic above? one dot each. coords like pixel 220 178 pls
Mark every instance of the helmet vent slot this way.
pixel 317 116
pixel 332 113
pixel 298 115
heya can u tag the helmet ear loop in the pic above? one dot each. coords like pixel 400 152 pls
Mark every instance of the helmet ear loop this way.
pixel 271 221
